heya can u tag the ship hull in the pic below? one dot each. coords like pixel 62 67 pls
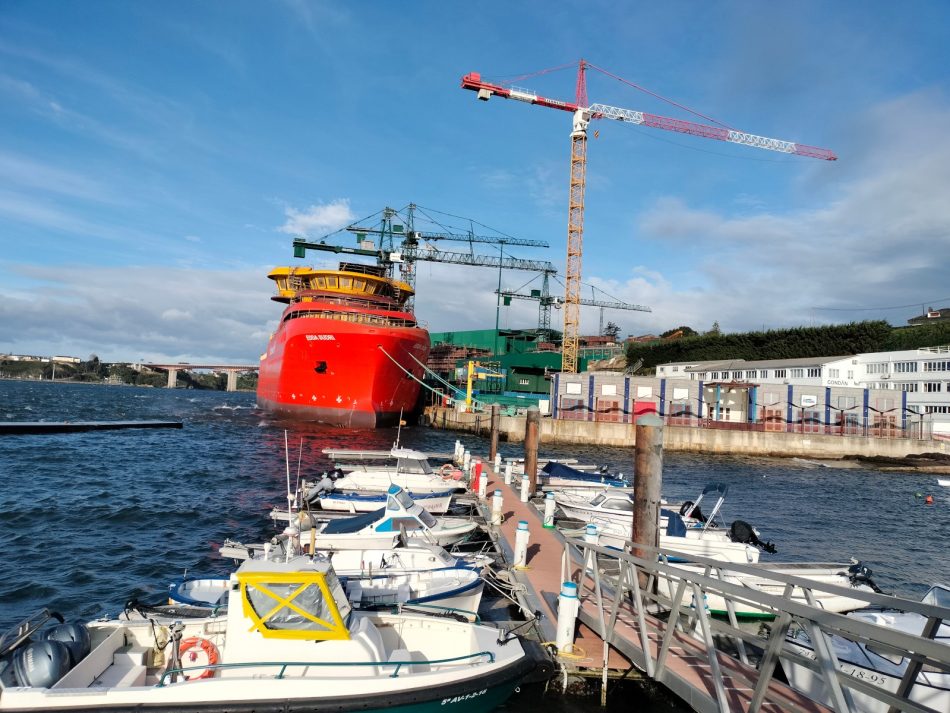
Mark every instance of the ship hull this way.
pixel 342 373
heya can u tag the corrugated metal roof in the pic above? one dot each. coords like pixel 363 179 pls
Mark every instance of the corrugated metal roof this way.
pixel 763 364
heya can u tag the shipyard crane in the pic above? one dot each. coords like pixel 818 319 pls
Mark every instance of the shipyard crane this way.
pixel 546 300
pixel 583 113
pixel 400 245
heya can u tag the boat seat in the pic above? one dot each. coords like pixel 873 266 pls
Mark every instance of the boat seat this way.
pixel 399 655
pixel 370 639
pixel 95 663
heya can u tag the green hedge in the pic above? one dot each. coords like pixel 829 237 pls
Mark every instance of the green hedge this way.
pixel 837 340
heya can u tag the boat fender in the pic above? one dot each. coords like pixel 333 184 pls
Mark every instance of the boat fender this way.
pixel 210 650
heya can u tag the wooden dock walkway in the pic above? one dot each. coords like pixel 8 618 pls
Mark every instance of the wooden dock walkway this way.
pixel 712 665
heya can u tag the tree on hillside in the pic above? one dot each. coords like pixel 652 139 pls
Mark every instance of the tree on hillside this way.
pixel 714 330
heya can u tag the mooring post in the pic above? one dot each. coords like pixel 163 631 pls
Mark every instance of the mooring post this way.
pixel 495 423
pixel 531 428
pixel 647 484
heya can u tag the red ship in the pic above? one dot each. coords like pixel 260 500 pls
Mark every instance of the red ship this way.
pixel 346 352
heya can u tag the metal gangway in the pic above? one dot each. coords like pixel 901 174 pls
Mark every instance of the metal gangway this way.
pixel 654 612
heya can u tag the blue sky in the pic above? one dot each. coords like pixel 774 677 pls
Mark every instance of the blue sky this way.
pixel 157 158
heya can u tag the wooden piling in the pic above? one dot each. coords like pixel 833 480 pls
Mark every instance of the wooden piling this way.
pixel 495 424
pixel 647 484
pixel 532 428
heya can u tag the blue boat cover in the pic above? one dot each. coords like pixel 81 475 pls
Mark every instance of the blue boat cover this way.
pixel 353 524
pixel 675 527
pixel 559 470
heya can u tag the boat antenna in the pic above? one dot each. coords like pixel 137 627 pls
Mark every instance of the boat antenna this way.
pixel 398 429
pixel 290 514
pixel 299 459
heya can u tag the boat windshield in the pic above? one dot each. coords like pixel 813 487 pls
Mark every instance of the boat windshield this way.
pixel 938 596
pixel 296 606
pixel 403 499
pixel 598 500
pixel 412 465
pixel 427 518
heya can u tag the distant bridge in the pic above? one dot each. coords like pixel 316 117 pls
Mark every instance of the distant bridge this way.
pixel 232 370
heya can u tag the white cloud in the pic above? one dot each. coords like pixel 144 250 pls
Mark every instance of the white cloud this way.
pixel 318 219
pixel 130 313
pixel 878 235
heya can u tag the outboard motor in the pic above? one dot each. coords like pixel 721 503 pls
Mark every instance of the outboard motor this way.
pixel 74 636
pixel 860 574
pixel 41 663
pixel 741 531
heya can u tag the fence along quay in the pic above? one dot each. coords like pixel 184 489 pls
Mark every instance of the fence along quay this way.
pixel 711 663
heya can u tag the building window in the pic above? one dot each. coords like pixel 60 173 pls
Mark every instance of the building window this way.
pixel 933 387
pixel 798 373
pixel 905 367
pixel 815 371
pixel 764 374
pixel 832 373
pixel 907 387
pixel 850 374
pixel 780 373
pixel 676 368
pixel 737 375
pixel 937 366
pixel 750 374
pixel 938 409
pixel 846 402
pixel 880 367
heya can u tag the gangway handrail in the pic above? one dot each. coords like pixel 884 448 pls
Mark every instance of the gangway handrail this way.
pixel 819 623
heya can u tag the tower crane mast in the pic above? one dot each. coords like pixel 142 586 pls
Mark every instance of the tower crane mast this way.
pixel 583 114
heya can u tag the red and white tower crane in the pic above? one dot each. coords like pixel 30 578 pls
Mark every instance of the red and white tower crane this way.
pixel 583 113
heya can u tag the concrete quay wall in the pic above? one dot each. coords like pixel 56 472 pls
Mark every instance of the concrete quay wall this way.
pixel 689 439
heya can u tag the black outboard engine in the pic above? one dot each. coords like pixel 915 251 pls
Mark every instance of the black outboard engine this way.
pixel 74 636
pixel 41 663
pixel 860 574
pixel 741 531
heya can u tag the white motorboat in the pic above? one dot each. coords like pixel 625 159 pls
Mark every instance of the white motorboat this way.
pixel 874 666
pixel 713 543
pixel 945 482
pixel 687 531
pixel 353 502
pixel 290 640
pixel 413 556
pixel 852 576
pixel 454 588
pixel 558 475
pixel 404 467
pixel 401 514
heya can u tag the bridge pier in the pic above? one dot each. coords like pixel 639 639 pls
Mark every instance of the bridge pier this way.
pixel 172 378
pixel 232 380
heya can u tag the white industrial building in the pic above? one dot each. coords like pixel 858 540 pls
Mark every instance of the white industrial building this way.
pixel 923 374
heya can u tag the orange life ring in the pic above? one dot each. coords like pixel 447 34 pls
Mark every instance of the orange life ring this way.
pixel 210 650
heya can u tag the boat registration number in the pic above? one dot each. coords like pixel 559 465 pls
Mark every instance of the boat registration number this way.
pixel 467 696
pixel 321 338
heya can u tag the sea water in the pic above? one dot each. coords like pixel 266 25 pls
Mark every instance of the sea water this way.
pixel 89 521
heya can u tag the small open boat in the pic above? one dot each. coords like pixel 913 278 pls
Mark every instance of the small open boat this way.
pixel 945 482
pixel 360 501
pixel 879 668
pixel 404 467
pixel 401 514
pixel 290 641
pixel 453 588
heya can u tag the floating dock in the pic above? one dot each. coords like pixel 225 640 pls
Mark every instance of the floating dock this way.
pixel 712 664
pixel 40 427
